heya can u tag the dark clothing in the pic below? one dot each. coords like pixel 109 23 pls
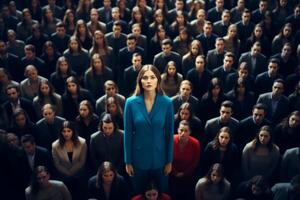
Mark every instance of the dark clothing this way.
pixel 200 82
pixel 207 43
pixel 244 191
pixel 161 60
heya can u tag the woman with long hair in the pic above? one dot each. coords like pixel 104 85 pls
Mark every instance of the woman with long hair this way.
pixel 231 41
pixel 286 133
pixel 50 55
pixel 258 35
pixel 72 97
pixel 222 150
pixel 261 155
pixel 101 47
pixel 182 42
pixel 141 118
pixel 83 9
pixel 69 153
pixel 284 36
pixel 156 41
pixel 158 19
pixel 107 184
pixel 113 107
pixel 214 185
pixel 188 60
pixel 83 34
pixel 171 80
pixel 179 23
pixel 138 17
pixel 69 20
pixel 47 95
pixel 49 22
pixel 96 76
pixel 62 72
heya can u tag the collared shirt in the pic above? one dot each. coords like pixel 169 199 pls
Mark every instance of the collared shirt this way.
pixel 15 106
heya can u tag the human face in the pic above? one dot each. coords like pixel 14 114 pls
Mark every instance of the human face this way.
pixel 183 132
pixel 151 194
pixel 3 77
pixel 228 61
pixel 232 32
pixel 149 81
pixel 258 115
pixel 115 14
pixel 185 90
pixel 138 16
pixel 117 30
pixel 225 113
pixel 32 74
pixel 74 45
pixel 49 115
pixel 207 29
pixel 3 48
pixel 243 73
pixel 241 89
pixel 136 31
pixel 137 62
pixel 20 120
pixel 219 46
pixel 166 48
pixel 273 68
pixel 43 179
pixel 49 51
pixel 45 89
pixel 215 177
pixel 94 15
pixel 28 147
pixel 131 45
pixel 184 114
pixel 286 51
pixel 81 29
pixel 180 19
pixel 287 31
pixel 200 63
pixel 201 15
pixel 256 190
pixel 108 128
pixel 97 63
pixel 83 111
pixel 195 49
pixel 294 121
pixel 277 89
pixel 112 108
pixel 225 17
pixel 67 134
pixel 63 66
pixel 12 94
pixel 110 90
pixel 263 6
pixel 255 50
pixel 179 5
pixel 171 70
pixel 219 3
pixel 159 18
pixel 264 137
pixel 246 17
pixel 258 32
pixel 61 31
pixel 72 87
pixel 108 177
pixel 216 91
pixel 29 54
pixel 224 139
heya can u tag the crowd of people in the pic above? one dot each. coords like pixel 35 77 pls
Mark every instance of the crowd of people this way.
pixel 150 99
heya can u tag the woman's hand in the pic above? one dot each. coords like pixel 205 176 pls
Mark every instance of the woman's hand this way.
pixel 129 169
pixel 168 169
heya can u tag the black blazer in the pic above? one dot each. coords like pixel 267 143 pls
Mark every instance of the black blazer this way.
pixel 260 66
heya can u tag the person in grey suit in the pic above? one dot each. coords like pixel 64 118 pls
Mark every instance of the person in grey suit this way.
pixel 107 144
pixel 220 27
pixel 277 104
pixel 213 125
pixel 256 61
pixel 290 164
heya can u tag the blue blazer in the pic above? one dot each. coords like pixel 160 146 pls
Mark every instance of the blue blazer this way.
pixel 148 139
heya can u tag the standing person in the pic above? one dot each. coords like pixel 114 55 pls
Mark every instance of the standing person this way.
pixel 148 122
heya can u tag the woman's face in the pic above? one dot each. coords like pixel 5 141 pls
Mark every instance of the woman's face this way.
pixel 49 51
pixel 3 77
pixel 232 32
pixel 32 74
pixel 108 177
pixel 287 31
pixel 194 49
pixel 97 64
pixel 161 33
pixel 83 111
pixel 98 39
pixel 215 177
pixel 149 81
pixel 183 132
pixel 184 114
pixel 216 91
pixel 137 16
pixel 70 17
pixel 81 29
pixel 45 89
pixel 160 4
pixel 180 19
pixel 183 35
pixel 171 70
pixel 159 18
pixel 67 134
pixel 185 90
pixel 243 73
pixel 258 32
pixel 20 120
pixel 151 194
pixel 294 121
pixel 112 108
pixel 48 14
pixel 74 45
pixel 200 64
pixel 224 139
pixel 72 87
pixel 63 66
pixel 264 137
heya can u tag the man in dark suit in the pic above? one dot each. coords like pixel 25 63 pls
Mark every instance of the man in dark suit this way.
pixel 256 61
pixel 131 73
pixel 60 39
pixel 116 16
pixel 223 71
pixel 141 40
pixel 264 81
pixel 95 24
pixel 245 27
pixel 56 10
pixel 179 5
pixel 125 55
pixel 161 59
pixel 277 104
pixel 199 77
pixel 251 125
pixel 36 155
pixel 10 62
pixel 214 14
pixel 215 57
pixel 207 38
pixel 15 101
pixel 258 14
pixel 48 128
pixel 220 27
pixel 213 125
pixel 116 39
pixel 105 11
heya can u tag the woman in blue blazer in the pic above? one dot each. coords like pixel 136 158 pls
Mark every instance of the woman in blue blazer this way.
pixel 148 125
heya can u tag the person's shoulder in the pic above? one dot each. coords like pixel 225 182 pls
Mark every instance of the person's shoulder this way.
pixel 165 98
pixel 55 144
pixel 95 135
pixel 56 183
pixel 81 140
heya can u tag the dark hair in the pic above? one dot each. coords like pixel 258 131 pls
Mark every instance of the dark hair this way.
pixel 92 70
pixel 59 61
pixel 35 187
pixel 28 138
pixel 255 141
pixel 16 113
pixel 167 74
pixel 185 123
pixel 72 79
pixel 10 86
pixel 213 83
pixel 139 89
pixel 187 106
pixel 41 96
pixel 106 166
pixel 89 106
pixel 167 42
pixel 215 143
pixel 227 104
pixel 70 125
pixel 219 169
pixel 107 118
pixel 260 182
pixel 260 106
pixel 79 47
pixel 285 122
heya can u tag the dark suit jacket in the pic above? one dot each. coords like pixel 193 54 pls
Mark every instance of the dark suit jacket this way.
pixel 102 16
pixel 221 74
pixel 244 31
pixel 43 157
pixel 160 61
pixel 260 66
pixel 214 60
pixel 207 43
pixel 280 112
pixel 130 76
pixel 61 44
pixel 177 101
pixel 220 29
pixel 213 15
pixel 264 83
pixel 200 83
pixel 13 65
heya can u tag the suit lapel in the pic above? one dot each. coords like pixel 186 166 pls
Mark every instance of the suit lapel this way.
pixel 142 108
pixel 155 107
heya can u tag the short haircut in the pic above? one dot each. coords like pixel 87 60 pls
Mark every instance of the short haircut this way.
pixel 30 47
pixel 229 54
pixel 131 36
pixel 60 25
pixel 260 106
pixel 274 60
pixel 27 138
pixel 227 104
pixel 167 41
